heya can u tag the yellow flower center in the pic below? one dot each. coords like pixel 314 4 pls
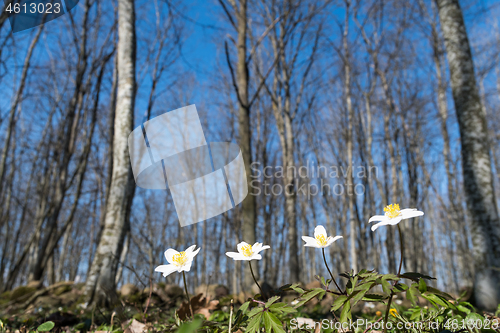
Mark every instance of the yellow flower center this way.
pixel 321 239
pixel 392 211
pixel 247 250
pixel 180 258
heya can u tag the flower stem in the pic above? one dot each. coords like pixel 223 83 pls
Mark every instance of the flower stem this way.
pixel 399 273
pixel 328 268
pixel 187 294
pixel 402 249
pixel 258 285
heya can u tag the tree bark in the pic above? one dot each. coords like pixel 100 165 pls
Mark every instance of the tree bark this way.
pixel 15 104
pixel 241 85
pixel 350 118
pixel 476 161
pixel 245 142
pixel 100 286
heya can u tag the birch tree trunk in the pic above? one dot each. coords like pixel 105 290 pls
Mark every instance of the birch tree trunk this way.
pixel 100 286
pixel 476 162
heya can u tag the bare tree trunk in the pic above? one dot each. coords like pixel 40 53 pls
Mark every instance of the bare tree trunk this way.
pixel 100 286
pixel 350 118
pixel 245 142
pixel 5 14
pixel 62 255
pixel 123 258
pixel 476 162
pixel 15 104
pixel 241 85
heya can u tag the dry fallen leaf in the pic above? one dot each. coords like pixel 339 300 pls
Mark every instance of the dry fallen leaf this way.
pixel 200 304
pixel 134 327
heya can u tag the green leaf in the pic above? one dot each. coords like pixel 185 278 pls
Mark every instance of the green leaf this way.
pixel 47 326
pixel 372 277
pixel 390 277
pixel 357 295
pixel 363 286
pixel 307 296
pixel 422 286
pixel 412 293
pixel 386 286
pixel 345 315
pixel 415 315
pixel 272 323
pixel 416 276
pixel 374 297
pixel 463 307
pixel 439 300
pixel 439 292
pixel 323 282
pixel 286 287
pixel 254 324
pixel 475 316
pixel 296 288
pixel 339 301
pixel 351 285
pixel 254 311
pixel 400 287
pixel 190 327
pixel 243 308
pixel 281 308
pixel 271 301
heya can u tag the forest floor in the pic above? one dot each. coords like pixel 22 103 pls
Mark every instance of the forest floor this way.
pixel 27 307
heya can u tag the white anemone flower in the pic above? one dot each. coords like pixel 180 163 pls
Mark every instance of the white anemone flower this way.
pixel 248 252
pixel 394 215
pixel 321 239
pixel 178 261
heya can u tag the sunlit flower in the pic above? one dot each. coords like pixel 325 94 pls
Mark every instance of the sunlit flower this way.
pixel 321 239
pixel 393 312
pixel 393 215
pixel 178 261
pixel 248 252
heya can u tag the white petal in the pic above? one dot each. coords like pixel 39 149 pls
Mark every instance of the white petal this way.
pixel 169 254
pixel 262 248
pixel 191 255
pixel 320 230
pixel 255 256
pixel 336 238
pixel 190 249
pixel 409 213
pixel 377 225
pixel 186 267
pixel 378 218
pixel 236 255
pixel 240 245
pixel 166 269
pixel 393 221
pixel 256 247
pixel 331 240
pixel 309 241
